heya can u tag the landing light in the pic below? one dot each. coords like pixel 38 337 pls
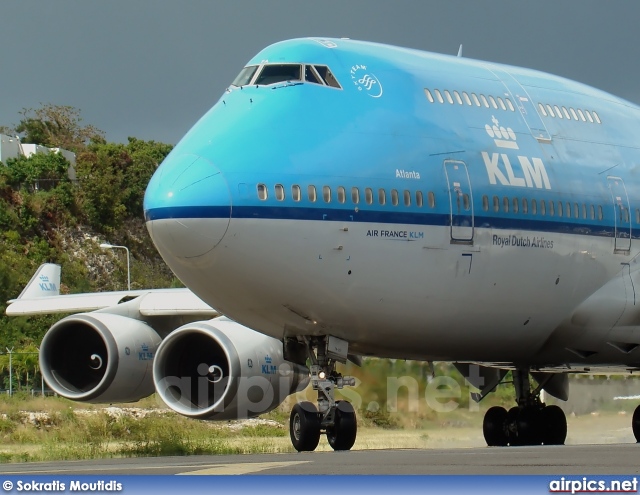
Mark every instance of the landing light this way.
pixel 322 375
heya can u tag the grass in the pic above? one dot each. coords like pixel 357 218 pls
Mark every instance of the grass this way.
pixel 52 428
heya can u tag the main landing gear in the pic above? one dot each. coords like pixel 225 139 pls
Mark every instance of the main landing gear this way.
pixel 336 419
pixel 531 422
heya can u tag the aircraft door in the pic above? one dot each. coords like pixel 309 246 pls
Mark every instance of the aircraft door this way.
pixel 460 201
pixel 523 103
pixel 622 218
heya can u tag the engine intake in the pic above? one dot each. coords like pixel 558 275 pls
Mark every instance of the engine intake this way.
pixel 99 357
pixel 222 370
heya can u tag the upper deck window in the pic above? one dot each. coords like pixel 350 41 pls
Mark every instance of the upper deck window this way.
pixel 275 73
pixel 245 76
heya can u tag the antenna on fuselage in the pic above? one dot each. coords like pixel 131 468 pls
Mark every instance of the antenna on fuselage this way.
pixel 460 50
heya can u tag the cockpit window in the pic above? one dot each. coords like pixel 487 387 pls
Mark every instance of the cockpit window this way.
pixel 245 76
pixel 327 76
pixel 310 75
pixel 276 73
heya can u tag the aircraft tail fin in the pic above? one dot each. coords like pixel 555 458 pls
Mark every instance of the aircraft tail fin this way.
pixel 45 282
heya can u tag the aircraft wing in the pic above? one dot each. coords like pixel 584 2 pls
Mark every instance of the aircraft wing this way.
pixel 39 298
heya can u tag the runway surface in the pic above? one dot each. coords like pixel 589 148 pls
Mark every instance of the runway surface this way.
pixel 572 459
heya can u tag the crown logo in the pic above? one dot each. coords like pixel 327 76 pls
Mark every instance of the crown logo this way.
pixel 44 278
pixel 504 138
pixel 267 359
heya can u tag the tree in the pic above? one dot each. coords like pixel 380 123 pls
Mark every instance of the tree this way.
pixel 57 126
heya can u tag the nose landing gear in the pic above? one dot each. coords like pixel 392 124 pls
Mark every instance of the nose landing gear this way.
pixel 337 419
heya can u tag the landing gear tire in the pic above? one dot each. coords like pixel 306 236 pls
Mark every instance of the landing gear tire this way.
pixel 635 424
pixel 342 435
pixel 494 427
pixel 304 427
pixel 528 426
pixel 554 425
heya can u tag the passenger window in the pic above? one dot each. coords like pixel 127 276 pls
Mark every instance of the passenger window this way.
pixel 584 211
pixel 493 102
pixel 419 200
pixel 515 205
pixel 589 117
pixel 543 207
pixel 558 111
pixel 407 198
pixel 262 192
pixel 448 96
pixel 501 103
pixel 327 76
pixel 394 197
pixel 279 192
pixel 484 101
pixel 551 212
pixel 311 193
pixel 275 73
pixel 429 95
pixel 496 204
pixel 432 199
pixel 466 204
pixel 355 195
pixel 573 113
pixel 295 193
pixel 475 99
pixel 581 115
pixel 310 75
pixel 509 104
pixel 465 96
pixel 542 110
pixel 438 95
pixel 637 215
pixel 576 210
pixel 525 206
pixel 560 209
pixel 593 212
pixel 626 215
pixel 566 114
pixel 382 196
pixel 550 110
pixel 485 203
pixel 597 117
pixel 456 95
pixel 368 195
pixel 342 194
pixel 534 207
pixel 505 204
pixel 326 194
pixel 600 215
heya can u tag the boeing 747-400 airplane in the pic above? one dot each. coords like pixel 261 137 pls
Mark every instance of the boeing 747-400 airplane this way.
pixel 346 199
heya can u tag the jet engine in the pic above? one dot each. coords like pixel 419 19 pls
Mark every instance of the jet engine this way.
pixel 99 357
pixel 219 369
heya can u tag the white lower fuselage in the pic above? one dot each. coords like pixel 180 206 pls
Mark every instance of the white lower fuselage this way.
pixel 417 298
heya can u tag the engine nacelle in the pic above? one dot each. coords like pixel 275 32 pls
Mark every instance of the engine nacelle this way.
pixel 100 358
pixel 220 369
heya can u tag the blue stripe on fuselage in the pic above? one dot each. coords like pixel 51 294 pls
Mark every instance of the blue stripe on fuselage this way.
pixel 380 217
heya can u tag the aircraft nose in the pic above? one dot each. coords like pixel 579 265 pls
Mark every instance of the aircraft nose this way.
pixel 187 206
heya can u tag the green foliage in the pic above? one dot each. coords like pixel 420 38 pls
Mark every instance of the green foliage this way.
pixel 39 170
pixel 113 178
pixel 60 221
pixel 57 126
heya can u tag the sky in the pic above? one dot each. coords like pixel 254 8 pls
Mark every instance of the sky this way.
pixel 151 68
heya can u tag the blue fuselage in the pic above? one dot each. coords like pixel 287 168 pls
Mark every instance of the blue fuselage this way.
pixel 457 201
